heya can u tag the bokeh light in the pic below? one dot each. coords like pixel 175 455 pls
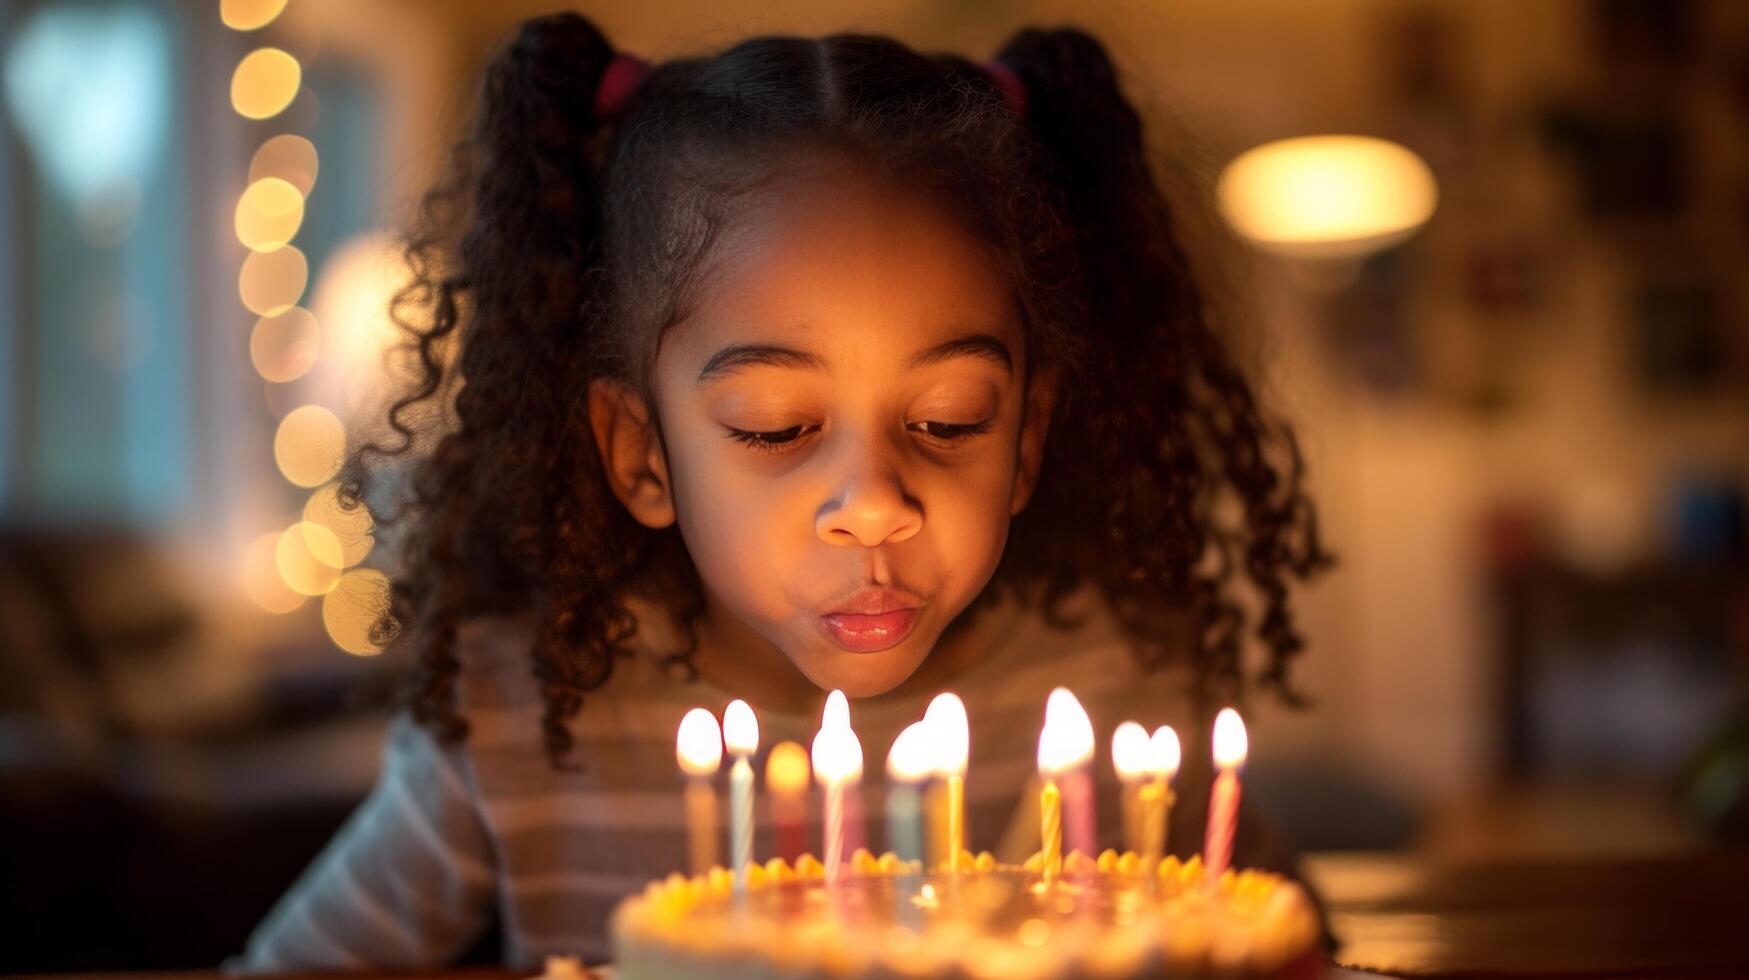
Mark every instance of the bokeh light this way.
pixel 272 281
pixel 351 299
pixel 265 82
pixel 284 346
pixel 308 447
pixel 308 556
pixel 352 607
pixel 352 528
pixel 1327 196
pixel 290 158
pixel 261 577
pixel 269 214
pixel 249 15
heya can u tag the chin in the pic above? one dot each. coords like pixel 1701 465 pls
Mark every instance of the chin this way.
pixel 864 675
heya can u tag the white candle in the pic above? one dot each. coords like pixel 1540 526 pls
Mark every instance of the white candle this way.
pixel 741 734
pixel 1229 751
pixel 837 758
pixel 699 748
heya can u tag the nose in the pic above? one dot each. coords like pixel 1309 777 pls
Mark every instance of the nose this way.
pixel 871 507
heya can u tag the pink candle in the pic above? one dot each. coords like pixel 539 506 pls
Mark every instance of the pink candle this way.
pixel 1229 751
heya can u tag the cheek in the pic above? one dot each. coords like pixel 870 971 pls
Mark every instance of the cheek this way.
pixel 740 534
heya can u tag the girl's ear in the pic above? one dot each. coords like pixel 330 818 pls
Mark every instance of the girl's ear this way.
pixel 631 452
pixel 1041 403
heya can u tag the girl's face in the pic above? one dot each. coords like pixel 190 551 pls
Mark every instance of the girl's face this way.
pixel 844 432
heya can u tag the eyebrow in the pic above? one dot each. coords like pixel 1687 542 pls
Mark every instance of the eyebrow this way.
pixel 736 357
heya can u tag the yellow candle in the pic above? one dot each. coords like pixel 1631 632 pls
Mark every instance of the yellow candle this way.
pixel 1129 756
pixel 1163 758
pixel 950 732
pixel 1064 746
pixel 1050 804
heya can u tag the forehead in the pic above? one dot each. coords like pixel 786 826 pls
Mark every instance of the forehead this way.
pixel 843 262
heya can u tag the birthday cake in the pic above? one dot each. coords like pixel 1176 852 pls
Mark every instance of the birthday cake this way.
pixel 1111 917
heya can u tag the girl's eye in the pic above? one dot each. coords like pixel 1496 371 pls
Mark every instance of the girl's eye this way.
pixel 775 441
pixel 953 432
pixel 767 442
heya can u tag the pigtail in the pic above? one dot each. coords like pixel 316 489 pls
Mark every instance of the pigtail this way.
pixel 507 294
pixel 1192 419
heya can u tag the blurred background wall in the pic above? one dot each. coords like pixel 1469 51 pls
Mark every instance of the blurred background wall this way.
pixel 1527 423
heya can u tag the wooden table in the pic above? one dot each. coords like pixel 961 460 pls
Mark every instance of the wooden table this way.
pixel 1397 915
pixel 1669 916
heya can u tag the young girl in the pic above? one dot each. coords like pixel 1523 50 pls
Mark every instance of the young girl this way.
pixel 816 364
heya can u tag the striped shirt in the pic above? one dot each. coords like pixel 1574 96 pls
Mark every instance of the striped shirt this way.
pixel 452 838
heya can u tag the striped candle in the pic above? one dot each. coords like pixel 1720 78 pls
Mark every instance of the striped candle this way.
pixel 1229 751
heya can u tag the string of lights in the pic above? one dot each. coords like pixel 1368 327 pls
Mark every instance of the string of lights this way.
pixel 319 554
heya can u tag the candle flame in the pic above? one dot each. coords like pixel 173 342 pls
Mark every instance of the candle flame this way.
pixel 950 734
pixel 837 755
pixel 912 754
pixel 786 769
pixel 837 713
pixel 740 728
pixel 1130 751
pixel 1231 744
pixel 1164 753
pixel 699 744
pixel 1067 738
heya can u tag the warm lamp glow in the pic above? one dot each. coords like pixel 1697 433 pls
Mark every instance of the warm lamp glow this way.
pixel 786 769
pixel 1327 196
pixel 1129 750
pixel 740 728
pixel 309 445
pixel 265 82
pixel 699 744
pixel 914 753
pixel 1231 744
pixel 1164 753
pixel 269 214
pixel 1067 738
pixel 351 297
pixel 950 733
pixel 352 608
pixel 261 578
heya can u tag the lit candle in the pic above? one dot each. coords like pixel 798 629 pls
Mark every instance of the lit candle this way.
pixel 741 734
pixel 1156 795
pixel 908 764
pixel 1064 746
pixel 699 747
pixel 952 737
pixel 1229 752
pixel 786 780
pixel 1129 756
pixel 837 757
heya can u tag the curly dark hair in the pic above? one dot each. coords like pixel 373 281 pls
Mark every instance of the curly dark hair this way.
pixel 561 244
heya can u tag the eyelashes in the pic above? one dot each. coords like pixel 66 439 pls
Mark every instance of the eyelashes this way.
pixel 780 440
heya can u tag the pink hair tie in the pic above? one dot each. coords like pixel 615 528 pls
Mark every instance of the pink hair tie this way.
pixel 1013 90
pixel 623 76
